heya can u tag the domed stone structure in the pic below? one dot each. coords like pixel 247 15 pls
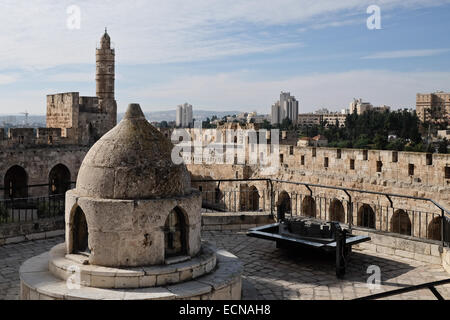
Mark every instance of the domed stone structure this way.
pixel 133 228
pixel 135 205
pixel 132 161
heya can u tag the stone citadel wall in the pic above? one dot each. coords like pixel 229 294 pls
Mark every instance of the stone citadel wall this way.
pixel 405 173
pixel 38 162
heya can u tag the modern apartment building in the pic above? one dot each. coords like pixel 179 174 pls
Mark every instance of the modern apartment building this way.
pixel 184 115
pixel 286 107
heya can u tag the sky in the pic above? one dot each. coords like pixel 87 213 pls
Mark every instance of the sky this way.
pixel 226 55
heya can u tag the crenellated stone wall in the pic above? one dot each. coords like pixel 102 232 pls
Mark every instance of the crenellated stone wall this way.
pixel 406 173
pixel 38 162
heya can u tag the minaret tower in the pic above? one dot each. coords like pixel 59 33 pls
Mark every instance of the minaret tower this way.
pixel 105 57
pixel 105 76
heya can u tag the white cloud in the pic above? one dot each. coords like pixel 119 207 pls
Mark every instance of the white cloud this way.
pixel 72 77
pixel 406 54
pixel 228 91
pixel 8 78
pixel 35 35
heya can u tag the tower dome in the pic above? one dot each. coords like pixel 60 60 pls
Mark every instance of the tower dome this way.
pixel 132 161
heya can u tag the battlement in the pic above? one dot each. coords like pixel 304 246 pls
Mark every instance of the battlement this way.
pixel 89 104
pixel 31 137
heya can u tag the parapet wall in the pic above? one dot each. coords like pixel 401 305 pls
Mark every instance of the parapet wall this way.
pixel 409 173
pixel 38 162
pixel 406 173
pixel 384 165
pixel 31 137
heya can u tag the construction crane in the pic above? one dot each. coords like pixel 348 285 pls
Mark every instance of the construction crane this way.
pixel 26 116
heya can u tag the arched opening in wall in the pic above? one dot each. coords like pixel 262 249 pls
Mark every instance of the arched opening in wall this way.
pixel 59 179
pixel 254 198
pixel 366 216
pixel 434 229
pixel 218 195
pixel 308 206
pixel 283 203
pixel 16 183
pixel 337 212
pixel 400 222
pixel 243 197
pixel 80 233
pixel 175 233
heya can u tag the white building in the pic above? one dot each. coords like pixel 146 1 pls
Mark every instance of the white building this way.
pixel 359 106
pixel 184 115
pixel 254 117
pixel 286 107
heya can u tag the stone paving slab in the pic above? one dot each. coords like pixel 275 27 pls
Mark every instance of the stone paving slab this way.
pixel 271 273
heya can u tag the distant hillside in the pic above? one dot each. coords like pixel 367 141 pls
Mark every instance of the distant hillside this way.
pixel 20 120
pixel 170 115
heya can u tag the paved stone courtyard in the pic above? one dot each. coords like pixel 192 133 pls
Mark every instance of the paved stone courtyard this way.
pixel 271 273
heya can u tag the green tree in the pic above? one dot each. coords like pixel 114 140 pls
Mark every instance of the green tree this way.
pixel 443 146
pixel 380 141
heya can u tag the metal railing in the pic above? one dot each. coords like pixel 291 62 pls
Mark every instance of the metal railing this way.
pixel 269 195
pixel 429 285
pixel 44 186
pixel 26 209
pixel 20 210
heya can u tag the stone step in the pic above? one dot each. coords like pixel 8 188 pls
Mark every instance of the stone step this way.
pixel 224 282
pixel 64 266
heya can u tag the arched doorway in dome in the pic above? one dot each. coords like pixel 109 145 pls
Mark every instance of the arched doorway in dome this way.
pixel 175 234
pixel 80 233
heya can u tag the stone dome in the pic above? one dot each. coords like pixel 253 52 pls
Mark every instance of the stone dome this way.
pixel 132 161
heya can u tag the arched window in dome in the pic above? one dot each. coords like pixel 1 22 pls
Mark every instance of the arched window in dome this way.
pixel 80 232
pixel 175 234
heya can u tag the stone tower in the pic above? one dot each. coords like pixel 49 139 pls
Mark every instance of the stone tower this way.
pixel 105 77
pixel 105 58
